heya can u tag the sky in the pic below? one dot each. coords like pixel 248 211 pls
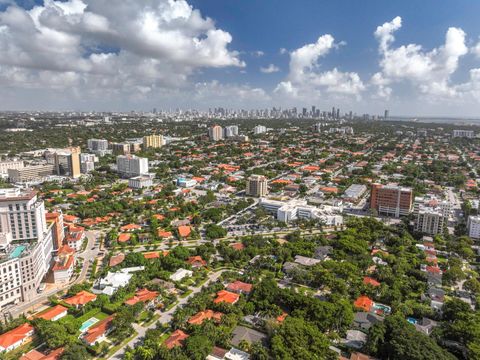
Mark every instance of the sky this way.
pixel 415 58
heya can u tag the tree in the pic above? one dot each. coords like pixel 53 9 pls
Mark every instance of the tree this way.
pixel 75 352
pixel 213 231
pixel 297 339
pixel 198 347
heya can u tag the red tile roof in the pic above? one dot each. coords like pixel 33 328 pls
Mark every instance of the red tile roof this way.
pixel 184 231
pixel 175 339
pixel 226 296
pixel 367 280
pixel 116 259
pixel 239 286
pixel 15 335
pixel 82 298
pixel 143 295
pixel 364 303
pixel 196 261
pixel 97 330
pixel 123 237
pixel 201 316
pixel 37 355
pixel 50 313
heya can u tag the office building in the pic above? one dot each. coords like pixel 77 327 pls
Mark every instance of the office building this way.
pixel 131 165
pixel 26 246
pixel 66 161
pixel 386 115
pixel 153 141
pixel 430 214
pixel 257 185
pixel 230 131
pixel 87 163
pixel 299 209
pixel 391 200
pixel 259 129
pixel 97 145
pixel 140 182
pixel 215 133
pixel 463 133
pixel 13 164
pixel 121 148
pixel 473 227
pixel 34 173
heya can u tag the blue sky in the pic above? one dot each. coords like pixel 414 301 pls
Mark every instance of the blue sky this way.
pixel 164 54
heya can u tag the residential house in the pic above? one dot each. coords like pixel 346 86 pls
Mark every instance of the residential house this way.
pixel 98 332
pixel 196 261
pixel 240 287
pixel 175 339
pixel 227 297
pixel 16 337
pixel 365 320
pixel 80 299
pixel 149 298
pixel 53 314
pixel 181 274
pixel 201 316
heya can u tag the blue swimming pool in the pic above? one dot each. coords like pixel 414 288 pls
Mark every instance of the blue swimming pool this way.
pixel 87 324
pixel 412 320
pixel 17 251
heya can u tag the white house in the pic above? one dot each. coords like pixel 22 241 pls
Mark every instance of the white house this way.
pixel 180 274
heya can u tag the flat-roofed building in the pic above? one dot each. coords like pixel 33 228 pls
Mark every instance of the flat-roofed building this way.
pixel 153 141
pixel 391 200
pixel 31 173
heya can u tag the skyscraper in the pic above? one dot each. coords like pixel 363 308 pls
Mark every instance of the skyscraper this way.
pixel 257 186
pixel 385 115
pixel 131 165
pixel 215 133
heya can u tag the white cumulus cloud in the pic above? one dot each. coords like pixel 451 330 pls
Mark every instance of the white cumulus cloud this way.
pixel 270 69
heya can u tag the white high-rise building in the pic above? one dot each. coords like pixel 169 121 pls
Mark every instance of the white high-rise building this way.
pixel 22 214
pixel 87 162
pixel 13 164
pixel 430 214
pixel 131 165
pixel 473 226
pixel 230 131
pixel 26 246
pixel 215 133
pixel 259 129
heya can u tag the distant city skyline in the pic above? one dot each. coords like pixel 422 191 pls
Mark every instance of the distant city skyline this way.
pixel 411 58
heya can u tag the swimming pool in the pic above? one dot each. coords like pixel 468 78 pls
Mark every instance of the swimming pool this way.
pixel 87 324
pixel 412 320
pixel 382 309
pixel 17 251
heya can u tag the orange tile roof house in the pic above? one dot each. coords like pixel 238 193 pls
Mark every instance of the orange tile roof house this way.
pixel 201 316
pixel 52 314
pixel 16 337
pixel 123 237
pixel 226 296
pixel 176 339
pixel 367 280
pixel 364 303
pixel 37 355
pixel 130 227
pixel 145 296
pixel 196 261
pixel 80 299
pixel 240 287
pixel 184 231
pixel 98 332
pixel 116 260
pixel 237 246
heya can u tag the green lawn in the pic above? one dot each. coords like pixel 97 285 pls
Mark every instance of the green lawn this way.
pixel 97 313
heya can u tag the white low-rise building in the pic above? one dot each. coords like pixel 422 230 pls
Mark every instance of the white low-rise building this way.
pixel 140 182
pixel 181 274
pixel 299 209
